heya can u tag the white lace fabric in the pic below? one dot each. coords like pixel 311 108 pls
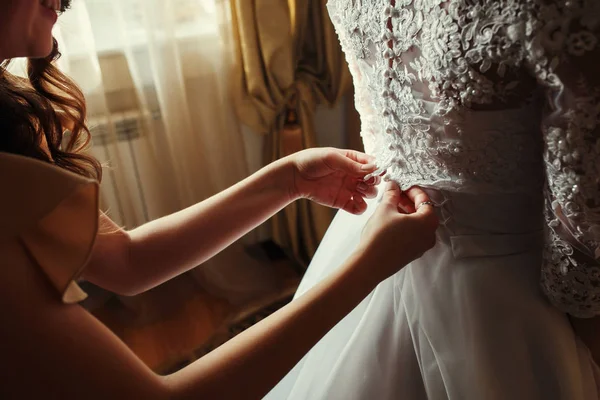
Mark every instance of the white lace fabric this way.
pixel 489 96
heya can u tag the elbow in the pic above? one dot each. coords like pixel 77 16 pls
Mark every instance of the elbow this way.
pixel 128 283
pixel 135 275
pixel 126 290
pixel 183 386
pixel 121 286
pixel 114 266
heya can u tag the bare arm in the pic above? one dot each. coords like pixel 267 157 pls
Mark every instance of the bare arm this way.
pixel 52 350
pixel 132 262
pixel 252 363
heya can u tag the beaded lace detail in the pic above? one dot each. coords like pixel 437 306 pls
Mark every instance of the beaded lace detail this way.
pixel 488 96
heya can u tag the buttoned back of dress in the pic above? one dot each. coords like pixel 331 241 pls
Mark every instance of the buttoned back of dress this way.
pixel 487 97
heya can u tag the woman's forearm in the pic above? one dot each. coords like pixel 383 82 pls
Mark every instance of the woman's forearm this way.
pixel 166 247
pixel 277 343
pixel 102 367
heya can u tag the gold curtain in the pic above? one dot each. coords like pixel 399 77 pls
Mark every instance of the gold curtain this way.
pixel 289 61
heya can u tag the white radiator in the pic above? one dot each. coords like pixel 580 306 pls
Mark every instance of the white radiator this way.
pixel 121 137
pixel 127 126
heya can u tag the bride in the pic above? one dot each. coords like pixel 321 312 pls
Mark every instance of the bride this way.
pixel 492 106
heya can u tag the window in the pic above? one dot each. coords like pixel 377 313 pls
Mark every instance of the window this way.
pixel 108 25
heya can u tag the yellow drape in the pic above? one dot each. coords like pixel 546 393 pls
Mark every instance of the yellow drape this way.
pixel 288 57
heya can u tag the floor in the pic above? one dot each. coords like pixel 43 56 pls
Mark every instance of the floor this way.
pixel 178 322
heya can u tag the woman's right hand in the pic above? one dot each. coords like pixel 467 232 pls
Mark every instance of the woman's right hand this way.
pixel 398 232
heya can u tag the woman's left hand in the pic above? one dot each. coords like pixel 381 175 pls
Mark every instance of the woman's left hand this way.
pixel 334 178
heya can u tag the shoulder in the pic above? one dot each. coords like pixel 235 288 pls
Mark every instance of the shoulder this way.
pixel 52 214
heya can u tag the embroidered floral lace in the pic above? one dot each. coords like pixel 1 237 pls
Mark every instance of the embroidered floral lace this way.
pixel 489 96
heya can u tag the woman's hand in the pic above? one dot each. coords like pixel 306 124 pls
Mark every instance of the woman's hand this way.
pixel 400 231
pixel 334 178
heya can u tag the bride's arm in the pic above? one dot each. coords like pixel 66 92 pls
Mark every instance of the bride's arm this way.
pixel 565 56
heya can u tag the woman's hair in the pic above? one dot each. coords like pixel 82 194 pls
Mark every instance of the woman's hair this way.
pixel 46 103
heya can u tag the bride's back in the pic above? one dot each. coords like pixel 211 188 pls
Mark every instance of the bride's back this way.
pixel 497 99
pixel 451 92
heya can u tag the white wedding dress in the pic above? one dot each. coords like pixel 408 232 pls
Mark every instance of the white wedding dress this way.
pixel 493 106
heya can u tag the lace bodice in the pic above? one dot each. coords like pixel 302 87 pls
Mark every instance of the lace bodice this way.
pixel 489 96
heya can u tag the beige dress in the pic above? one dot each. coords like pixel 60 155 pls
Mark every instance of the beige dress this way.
pixel 50 214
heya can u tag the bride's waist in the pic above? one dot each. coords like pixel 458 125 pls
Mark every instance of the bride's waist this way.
pixel 474 181
pixel 476 225
pixel 488 213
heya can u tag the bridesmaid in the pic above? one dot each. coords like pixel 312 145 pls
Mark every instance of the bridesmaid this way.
pixel 49 237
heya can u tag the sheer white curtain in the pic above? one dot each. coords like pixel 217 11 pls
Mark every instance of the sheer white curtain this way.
pixel 154 73
pixel 155 76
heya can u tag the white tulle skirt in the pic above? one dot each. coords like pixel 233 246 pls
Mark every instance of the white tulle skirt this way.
pixel 466 321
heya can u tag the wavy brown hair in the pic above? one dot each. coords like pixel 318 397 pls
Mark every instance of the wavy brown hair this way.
pixel 45 104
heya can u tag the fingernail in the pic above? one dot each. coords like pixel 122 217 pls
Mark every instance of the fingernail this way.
pixel 368 167
pixel 362 186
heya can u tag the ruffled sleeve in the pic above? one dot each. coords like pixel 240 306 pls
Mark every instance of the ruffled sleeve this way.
pixel 565 57
pixel 53 214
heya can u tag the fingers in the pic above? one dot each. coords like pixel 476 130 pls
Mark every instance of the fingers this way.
pixel 405 204
pixel 340 162
pixel 356 205
pixel 373 180
pixel 368 191
pixel 357 156
pixel 417 197
pixel 391 195
pixel 378 173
